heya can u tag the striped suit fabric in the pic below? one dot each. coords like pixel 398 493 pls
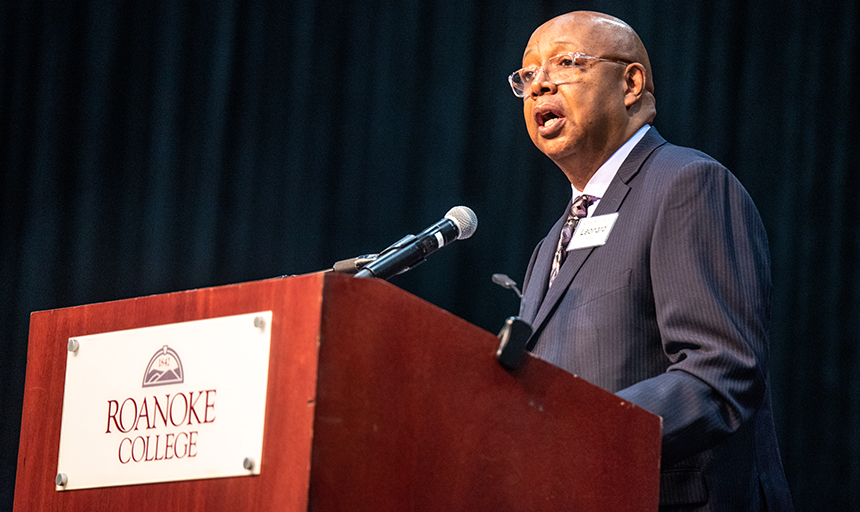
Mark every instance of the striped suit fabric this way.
pixel 672 315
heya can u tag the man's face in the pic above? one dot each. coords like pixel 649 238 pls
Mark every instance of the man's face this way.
pixel 579 119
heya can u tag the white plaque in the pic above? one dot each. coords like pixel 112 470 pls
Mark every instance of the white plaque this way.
pixel 172 402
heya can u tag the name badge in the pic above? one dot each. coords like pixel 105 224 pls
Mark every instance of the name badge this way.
pixel 592 231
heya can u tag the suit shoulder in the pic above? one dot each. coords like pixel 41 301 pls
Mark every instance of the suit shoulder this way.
pixel 671 163
pixel 671 156
pixel 683 176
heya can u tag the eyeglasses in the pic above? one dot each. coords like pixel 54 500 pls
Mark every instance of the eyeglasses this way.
pixel 561 69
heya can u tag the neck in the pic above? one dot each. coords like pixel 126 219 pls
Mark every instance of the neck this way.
pixel 581 165
pixel 579 168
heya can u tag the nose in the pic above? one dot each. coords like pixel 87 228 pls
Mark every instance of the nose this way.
pixel 542 85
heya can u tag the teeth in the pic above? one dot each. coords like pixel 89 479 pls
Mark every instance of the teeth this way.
pixel 550 122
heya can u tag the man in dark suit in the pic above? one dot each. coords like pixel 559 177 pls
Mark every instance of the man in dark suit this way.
pixel 655 283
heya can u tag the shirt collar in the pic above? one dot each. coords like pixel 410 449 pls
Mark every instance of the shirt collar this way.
pixel 598 183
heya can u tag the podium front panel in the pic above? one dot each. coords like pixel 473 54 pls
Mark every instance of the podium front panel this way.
pixel 284 476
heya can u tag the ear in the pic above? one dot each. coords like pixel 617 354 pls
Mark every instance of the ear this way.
pixel 635 82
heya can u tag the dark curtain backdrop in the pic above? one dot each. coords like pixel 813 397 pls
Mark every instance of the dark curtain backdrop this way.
pixel 148 147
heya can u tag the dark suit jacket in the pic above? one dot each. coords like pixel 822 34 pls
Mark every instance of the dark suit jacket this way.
pixel 672 315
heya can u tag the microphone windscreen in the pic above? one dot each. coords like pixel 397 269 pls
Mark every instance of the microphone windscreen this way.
pixel 465 219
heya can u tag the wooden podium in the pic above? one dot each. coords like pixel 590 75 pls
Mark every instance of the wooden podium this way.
pixel 377 400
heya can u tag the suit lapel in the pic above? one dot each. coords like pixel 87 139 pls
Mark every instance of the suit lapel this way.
pixel 543 264
pixel 609 203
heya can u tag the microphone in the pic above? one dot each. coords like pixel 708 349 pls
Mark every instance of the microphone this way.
pixel 353 265
pixel 506 282
pixel 459 223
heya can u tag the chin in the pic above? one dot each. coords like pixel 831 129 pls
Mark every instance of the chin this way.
pixel 555 148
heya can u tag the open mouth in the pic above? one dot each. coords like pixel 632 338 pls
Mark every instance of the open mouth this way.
pixel 547 117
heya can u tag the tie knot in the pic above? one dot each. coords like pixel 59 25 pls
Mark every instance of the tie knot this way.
pixel 581 204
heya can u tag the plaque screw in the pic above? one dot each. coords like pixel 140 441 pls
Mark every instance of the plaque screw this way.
pixel 260 322
pixel 73 346
pixel 248 463
pixel 61 480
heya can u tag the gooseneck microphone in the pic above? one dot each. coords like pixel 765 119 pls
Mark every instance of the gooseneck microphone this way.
pixel 459 223
pixel 506 282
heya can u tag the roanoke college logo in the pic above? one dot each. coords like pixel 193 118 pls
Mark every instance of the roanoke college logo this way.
pixel 165 367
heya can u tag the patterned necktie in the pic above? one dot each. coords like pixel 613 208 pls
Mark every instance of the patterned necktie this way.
pixel 577 211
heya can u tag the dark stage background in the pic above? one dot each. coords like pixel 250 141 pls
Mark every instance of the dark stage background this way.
pixel 149 147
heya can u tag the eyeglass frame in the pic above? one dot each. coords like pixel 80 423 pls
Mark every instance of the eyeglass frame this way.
pixel 574 55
